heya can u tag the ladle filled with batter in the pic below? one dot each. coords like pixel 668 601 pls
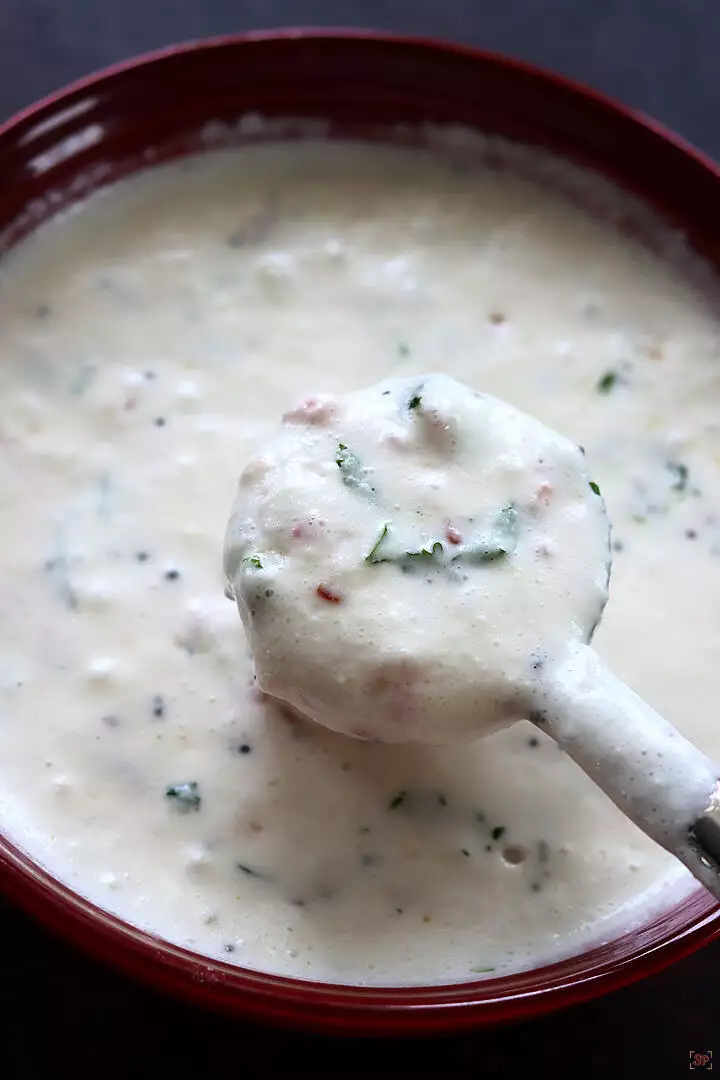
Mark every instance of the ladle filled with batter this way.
pixel 419 562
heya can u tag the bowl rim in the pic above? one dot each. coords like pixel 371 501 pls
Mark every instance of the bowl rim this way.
pixel 340 1008
pixel 372 36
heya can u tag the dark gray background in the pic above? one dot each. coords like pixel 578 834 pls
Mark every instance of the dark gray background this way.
pixel 59 1013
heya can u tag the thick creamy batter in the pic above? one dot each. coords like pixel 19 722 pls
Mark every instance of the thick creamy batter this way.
pixel 149 342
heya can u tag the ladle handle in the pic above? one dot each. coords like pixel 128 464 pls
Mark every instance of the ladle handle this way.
pixel 663 783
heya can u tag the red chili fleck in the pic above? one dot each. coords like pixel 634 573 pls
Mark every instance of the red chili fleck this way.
pixel 310 527
pixel 544 493
pixel 452 535
pixel 314 410
pixel 329 594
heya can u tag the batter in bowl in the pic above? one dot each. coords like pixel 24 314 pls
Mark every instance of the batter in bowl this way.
pixel 149 341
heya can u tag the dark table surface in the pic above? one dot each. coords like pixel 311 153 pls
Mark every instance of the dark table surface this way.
pixel 62 1015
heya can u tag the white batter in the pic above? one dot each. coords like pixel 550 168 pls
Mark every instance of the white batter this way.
pixel 148 344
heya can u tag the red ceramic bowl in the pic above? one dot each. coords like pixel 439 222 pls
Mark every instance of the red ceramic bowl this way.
pixel 152 109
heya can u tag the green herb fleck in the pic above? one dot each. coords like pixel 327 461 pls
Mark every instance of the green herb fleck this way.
pixel 58 570
pixel 500 541
pixel 372 557
pixel 498 544
pixel 428 553
pixel 681 474
pixel 185 797
pixel 398 800
pixel 594 487
pixel 403 348
pixel 254 561
pixel 482 970
pixel 353 472
pixel 497 832
pixel 415 400
pixel 607 382
pixel 425 554
pixel 248 870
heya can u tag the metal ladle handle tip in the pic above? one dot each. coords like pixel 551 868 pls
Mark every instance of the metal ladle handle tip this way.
pixel 705 832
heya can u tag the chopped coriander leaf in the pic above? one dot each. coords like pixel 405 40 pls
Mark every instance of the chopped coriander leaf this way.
pixel 416 398
pixel 681 474
pixel 594 487
pixel 354 475
pixel 607 381
pixel 254 561
pixel 497 832
pixel 482 970
pixel 500 542
pixel 373 557
pixel 185 797
pixel 403 348
pixel 426 554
